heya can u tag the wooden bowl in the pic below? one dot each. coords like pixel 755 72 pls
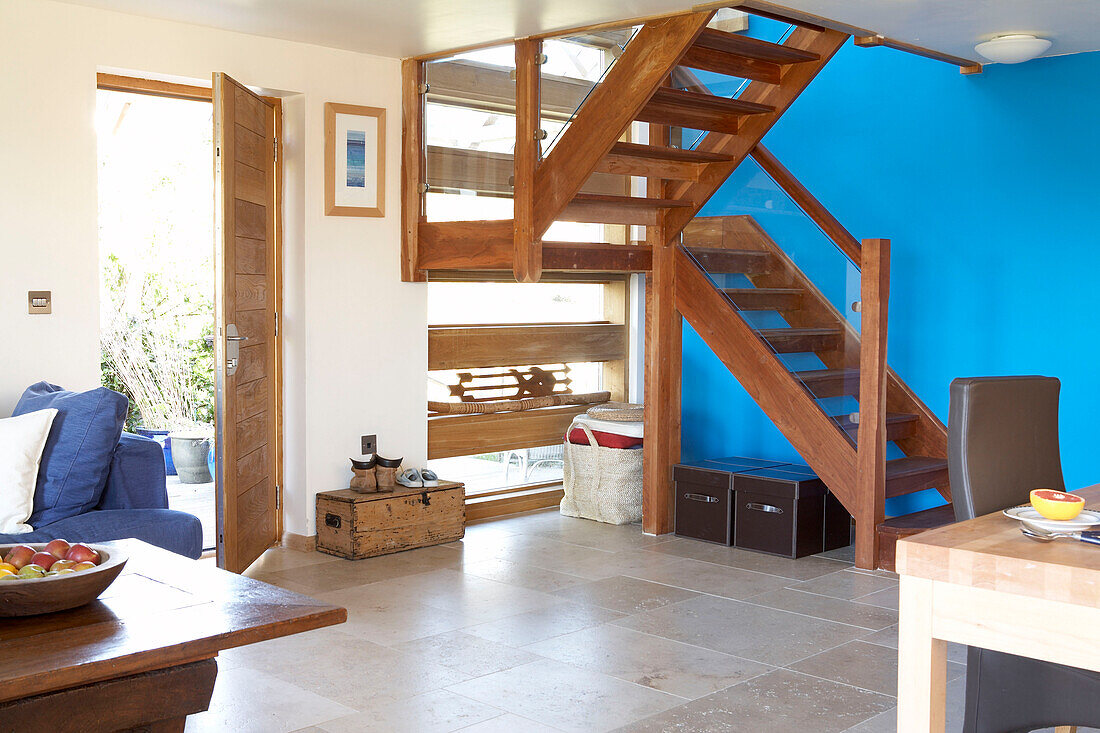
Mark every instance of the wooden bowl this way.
pixel 35 596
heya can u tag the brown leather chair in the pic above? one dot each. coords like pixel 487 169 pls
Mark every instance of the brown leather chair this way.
pixel 1002 442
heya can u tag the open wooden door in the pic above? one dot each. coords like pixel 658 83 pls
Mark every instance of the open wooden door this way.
pixel 245 321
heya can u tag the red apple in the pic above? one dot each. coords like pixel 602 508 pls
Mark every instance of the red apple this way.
pixel 62 564
pixel 19 556
pixel 58 548
pixel 82 553
pixel 82 566
pixel 43 560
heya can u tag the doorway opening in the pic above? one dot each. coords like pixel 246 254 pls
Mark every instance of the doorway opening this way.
pixel 157 280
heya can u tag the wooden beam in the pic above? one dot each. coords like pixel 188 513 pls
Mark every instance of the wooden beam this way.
pixel 753 128
pixel 871 440
pixel 153 87
pixel 513 502
pixel 785 14
pixel 473 347
pixel 412 168
pixel 596 257
pixel 821 216
pixel 470 435
pixel 466 245
pixel 609 109
pixel 966 66
pixel 489 173
pixel 477 85
pixel 527 264
pixel 812 433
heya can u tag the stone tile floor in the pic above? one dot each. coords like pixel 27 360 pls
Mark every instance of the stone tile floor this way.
pixel 539 622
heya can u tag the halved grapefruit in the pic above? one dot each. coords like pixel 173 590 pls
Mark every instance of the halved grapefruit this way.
pixel 1056 504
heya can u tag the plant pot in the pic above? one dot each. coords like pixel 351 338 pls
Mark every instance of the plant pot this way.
pixel 161 436
pixel 191 452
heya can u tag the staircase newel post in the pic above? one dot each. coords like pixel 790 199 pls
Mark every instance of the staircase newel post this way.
pixel 527 261
pixel 871 440
pixel 661 449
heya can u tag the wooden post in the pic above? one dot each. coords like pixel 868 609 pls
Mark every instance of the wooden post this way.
pixel 527 264
pixel 871 440
pixel 412 167
pixel 661 449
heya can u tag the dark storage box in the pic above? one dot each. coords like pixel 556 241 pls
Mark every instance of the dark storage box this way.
pixel 787 510
pixel 704 502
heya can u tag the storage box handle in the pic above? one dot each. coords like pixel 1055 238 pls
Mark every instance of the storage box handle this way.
pixel 702 497
pixel 332 520
pixel 769 508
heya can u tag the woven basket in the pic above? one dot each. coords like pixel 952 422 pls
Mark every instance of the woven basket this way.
pixel 617 412
pixel 604 484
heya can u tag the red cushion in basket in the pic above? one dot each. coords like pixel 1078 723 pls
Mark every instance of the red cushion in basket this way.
pixel 604 440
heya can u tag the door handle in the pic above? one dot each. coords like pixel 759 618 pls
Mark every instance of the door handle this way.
pixel 233 341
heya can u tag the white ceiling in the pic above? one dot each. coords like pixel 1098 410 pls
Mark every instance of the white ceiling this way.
pixel 401 28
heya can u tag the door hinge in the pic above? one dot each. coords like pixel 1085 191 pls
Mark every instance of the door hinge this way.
pixel 276 323
pixel 217 152
pixel 278 496
pixel 275 141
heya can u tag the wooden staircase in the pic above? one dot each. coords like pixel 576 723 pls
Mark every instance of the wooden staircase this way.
pixel 681 253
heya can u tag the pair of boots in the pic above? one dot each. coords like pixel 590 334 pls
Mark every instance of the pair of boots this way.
pixel 377 474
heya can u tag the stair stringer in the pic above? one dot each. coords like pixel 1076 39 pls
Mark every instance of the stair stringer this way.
pixel 782 398
pixel 745 233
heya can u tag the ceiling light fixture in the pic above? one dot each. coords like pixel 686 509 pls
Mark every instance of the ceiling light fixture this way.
pixel 1013 48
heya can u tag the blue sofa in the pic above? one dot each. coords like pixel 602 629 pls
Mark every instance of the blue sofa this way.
pixel 133 501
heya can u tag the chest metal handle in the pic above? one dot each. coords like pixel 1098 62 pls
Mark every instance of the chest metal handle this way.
pixel 770 509
pixel 702 497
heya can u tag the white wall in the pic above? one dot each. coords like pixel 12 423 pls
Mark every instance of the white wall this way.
pixel 354 335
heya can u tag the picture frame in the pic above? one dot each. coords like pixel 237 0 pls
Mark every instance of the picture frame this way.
pixel 355 160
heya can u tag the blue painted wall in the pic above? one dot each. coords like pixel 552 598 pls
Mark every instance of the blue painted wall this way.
pixel 987 186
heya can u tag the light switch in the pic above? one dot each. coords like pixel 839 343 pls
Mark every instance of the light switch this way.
pixel 39 302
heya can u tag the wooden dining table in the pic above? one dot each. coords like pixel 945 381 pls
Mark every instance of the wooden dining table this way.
pixel 142 656
pixel 983 583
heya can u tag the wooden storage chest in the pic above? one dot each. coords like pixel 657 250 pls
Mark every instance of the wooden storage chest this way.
pixel 356 526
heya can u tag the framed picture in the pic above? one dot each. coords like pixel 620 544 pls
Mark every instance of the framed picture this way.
pixel 355 160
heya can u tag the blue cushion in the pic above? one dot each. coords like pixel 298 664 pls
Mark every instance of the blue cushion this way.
pixel 78 451
pixel 136 479
pixel 179 532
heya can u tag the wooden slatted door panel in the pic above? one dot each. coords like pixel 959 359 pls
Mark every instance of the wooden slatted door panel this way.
pixel 244 131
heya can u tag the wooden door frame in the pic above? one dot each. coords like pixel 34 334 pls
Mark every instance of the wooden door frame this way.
pixel 172 90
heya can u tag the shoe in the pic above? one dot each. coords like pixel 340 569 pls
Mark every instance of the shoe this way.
pixel 429 477
pixel 410 477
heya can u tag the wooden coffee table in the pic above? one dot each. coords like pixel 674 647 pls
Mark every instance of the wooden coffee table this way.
pixel 142 656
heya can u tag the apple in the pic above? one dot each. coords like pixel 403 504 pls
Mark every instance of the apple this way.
pixel 19 556
pixel 43 559
pixel 10 576
pixel 62 565
pixel 58 548
pixel 82 566
pixel 32 571
pixel 82 553
pixel 62 571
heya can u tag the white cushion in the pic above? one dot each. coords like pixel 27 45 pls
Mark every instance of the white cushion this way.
pixel 616 427
pixel 22 439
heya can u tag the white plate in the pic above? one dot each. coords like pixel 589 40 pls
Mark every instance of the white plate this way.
pixel 1029 516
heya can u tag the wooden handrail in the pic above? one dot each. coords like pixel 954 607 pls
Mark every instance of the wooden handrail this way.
pixel 871 439
pixel 828 223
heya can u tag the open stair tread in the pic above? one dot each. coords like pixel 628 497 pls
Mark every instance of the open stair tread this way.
pixel 914 473
pixel 718 260
pixel 708 102
pixel 639 202
pixel 752 48
pixel 801 340
pixel 697 111
pixel 779 299
pixel 656 152
pixel 908 525
pixel 831 382
pixel 899 425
